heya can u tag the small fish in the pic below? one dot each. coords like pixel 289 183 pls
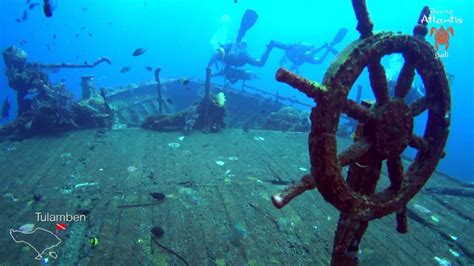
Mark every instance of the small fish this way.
pixel 48 8
pixel 18 20
pixel 83 28
pixel 421 208
pixel 25 16
pixel 139 51
pixel 90 34
pixel 76 35
pixel 148 68
pixel 84 9
pixel 6 109
pixel 23 42
pixel 184 81
pixel 124 69
pixel 33 5
pixel 27 2
pixel 169 101
pixel 86 63
pixel 54 36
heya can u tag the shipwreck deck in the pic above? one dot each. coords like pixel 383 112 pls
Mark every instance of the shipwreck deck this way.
pixel 214 214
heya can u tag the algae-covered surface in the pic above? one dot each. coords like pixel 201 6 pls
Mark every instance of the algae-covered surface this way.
pixel 217 209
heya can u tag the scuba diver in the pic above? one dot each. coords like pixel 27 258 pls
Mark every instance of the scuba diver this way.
pixel 413 94
pixel 416 90
pixel 234 55
pixel 300 53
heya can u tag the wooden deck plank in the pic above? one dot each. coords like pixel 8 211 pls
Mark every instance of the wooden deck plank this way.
pixel 214 214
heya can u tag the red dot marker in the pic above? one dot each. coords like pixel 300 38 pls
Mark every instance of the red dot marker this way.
pixel 60 227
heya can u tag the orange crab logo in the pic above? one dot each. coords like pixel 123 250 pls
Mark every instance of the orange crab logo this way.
pixel 442 36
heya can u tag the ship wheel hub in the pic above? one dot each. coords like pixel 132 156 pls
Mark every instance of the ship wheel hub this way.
pixel 390 128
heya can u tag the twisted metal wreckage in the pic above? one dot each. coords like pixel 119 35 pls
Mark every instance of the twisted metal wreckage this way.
pixel 384 130
pixel 44 107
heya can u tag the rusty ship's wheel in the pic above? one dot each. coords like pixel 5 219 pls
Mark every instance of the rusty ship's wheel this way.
pixel 387 129
pixel 388 124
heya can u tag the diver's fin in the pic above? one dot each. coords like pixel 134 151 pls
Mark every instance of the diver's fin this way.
pixel 333 51
pixel 339 37
pixel 248 20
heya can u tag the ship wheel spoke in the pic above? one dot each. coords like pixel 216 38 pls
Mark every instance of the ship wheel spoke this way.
pixel 378 81
pixel 419 106
pixel 395 172
pixel 353 153
pixel 311 89
pixel 402 220
pixel 405 79
pixel 356 111
pixel 372 176
pixel 418 143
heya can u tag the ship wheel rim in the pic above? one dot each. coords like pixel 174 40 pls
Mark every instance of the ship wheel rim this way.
pixel 341 75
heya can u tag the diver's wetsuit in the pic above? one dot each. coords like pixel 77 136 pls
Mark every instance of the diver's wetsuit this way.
pixel 238 57
pixel 300 53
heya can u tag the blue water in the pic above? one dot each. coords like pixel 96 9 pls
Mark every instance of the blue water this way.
pixel 178 37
